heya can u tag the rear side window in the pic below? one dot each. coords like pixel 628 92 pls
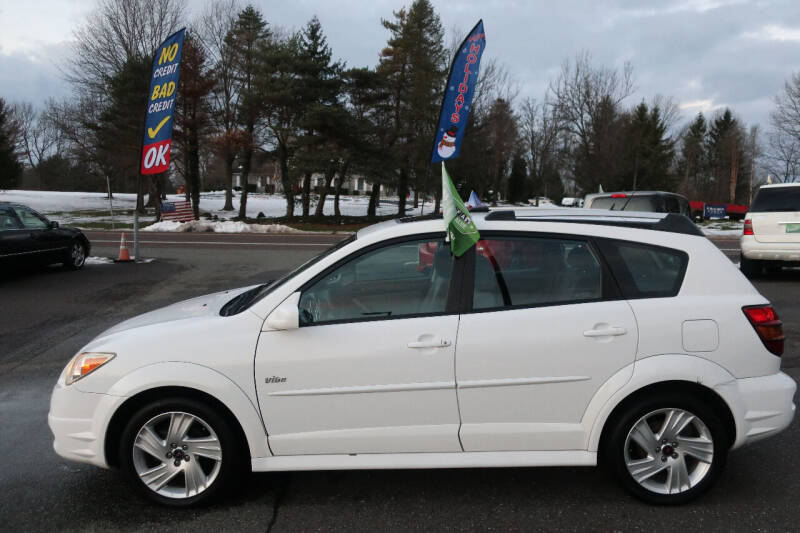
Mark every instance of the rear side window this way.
pixel 7 219
pixel 533 271
pixel 645 271
pixel 776 199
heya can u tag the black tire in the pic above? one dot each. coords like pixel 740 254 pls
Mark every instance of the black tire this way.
pixel 75 256
pixel 614 452
pixel 234 454
pixel 752 268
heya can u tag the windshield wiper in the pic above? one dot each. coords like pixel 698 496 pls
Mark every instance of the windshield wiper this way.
pixel 241 302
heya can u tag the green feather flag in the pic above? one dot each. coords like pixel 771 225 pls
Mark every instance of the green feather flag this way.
pixel 461 230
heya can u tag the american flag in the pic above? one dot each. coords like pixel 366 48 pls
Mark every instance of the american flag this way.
pixel 180 210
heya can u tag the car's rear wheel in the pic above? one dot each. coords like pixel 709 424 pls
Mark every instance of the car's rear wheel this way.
pixel 76 256
pixel 667 450
pixel 180 452
pixel 752 268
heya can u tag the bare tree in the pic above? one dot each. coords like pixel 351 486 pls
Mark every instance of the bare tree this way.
pixel 216 23
pixel 786 116
pixel 115 32
pixel 37 135
pixel 783 157
pixel 588 102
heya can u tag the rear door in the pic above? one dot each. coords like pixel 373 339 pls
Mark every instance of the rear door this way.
pixel 546 330
pixel 775 214
pixel 13 238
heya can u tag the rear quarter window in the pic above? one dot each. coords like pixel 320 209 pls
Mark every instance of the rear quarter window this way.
pixel 643 270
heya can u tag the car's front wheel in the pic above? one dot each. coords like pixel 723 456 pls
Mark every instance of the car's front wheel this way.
pixel 76 256
pixel 180 452
pixel 667 450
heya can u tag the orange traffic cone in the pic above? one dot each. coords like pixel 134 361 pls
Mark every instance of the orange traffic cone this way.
pixel 124 255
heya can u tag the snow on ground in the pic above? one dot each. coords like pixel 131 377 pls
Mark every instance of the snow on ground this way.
pixel 93 260
pixel 722 227
pixel 227 226
pixel 75 208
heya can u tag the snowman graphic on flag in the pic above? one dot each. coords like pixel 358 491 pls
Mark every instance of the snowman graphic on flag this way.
pixel 447 146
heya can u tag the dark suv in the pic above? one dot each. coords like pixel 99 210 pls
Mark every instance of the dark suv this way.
pixel 651 201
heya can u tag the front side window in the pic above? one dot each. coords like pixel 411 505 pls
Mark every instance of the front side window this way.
pixel 408 278
pixel 7 219
pixel 645 271
pixel 30 219
pixel 531 271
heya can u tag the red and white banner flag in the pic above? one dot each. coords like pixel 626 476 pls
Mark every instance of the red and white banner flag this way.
pixel 180 211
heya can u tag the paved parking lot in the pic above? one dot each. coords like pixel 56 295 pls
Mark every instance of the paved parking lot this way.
pixel 48 315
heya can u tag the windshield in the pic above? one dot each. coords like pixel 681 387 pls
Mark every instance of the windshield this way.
pixel 776 199
pixel 248 298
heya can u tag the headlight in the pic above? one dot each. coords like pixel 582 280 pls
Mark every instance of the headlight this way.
pixel 84 364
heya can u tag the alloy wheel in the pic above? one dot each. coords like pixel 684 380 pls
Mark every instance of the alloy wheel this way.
pixel 78 255
pixel 177 455
pixel 669 451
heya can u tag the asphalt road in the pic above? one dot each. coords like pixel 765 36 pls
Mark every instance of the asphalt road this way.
pixel 47 315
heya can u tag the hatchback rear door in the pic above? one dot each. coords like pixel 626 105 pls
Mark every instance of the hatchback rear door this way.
pixel 775 214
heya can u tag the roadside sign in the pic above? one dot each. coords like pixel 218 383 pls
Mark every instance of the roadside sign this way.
pixel 711 211
pixel 161 105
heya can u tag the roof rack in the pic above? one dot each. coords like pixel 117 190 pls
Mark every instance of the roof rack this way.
pixel 670 222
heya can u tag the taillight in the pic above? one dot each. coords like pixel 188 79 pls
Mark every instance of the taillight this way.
pixel 766 323
pixel 748 227
pixel 619 195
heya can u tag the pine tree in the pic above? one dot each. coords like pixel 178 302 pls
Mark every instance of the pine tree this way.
pixel 249 36
pixel 517 179
pixel 414 66
pixel 317 88
pixel 693 162
pixel 192 116
pixel 725 150
pixel 10 167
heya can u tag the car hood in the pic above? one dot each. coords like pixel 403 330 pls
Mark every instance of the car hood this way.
pixel 206 305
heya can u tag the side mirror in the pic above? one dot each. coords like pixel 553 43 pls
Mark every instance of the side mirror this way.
pixel 286 315
pixel 53 224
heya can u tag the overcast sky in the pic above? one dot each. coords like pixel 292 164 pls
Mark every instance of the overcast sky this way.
pixel 706 54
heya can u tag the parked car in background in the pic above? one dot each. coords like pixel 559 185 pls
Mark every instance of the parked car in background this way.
pixel 29 238
pixel 570 201
pixel 565 336
pixel 771 233
pixel 650 201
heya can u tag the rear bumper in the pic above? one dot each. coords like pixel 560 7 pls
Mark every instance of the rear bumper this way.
pixel 769 251
pixel 763 406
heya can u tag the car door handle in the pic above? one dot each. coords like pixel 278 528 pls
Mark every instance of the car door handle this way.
pixel 435 343
pixel 606 332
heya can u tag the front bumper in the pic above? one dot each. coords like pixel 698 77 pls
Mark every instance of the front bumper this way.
pixel 769 251
pixel 763 406
pixel 78 421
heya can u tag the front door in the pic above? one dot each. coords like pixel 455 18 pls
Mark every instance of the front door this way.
pixel 545 333
pixel 371 369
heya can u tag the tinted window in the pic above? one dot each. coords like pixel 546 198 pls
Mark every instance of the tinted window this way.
pixel 7 219
pixel 776 199
pixel 629 203
pixel 30 219
pixel 645 271
pixel 671 205
pixel 401 279
pixel 529 271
